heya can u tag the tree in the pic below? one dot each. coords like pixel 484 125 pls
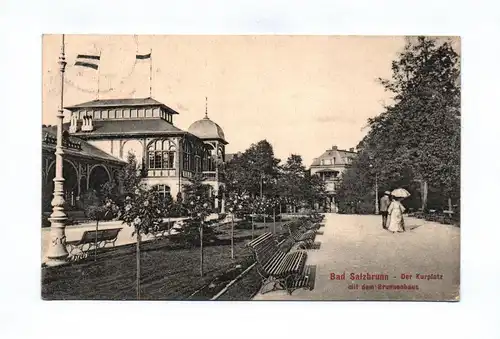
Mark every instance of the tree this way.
pixel 237 204
pixel 418 137
pixel 130 176
pixel 141 211
pixel 253 171
pixel 291 180
pixel 99 207
pixel 313 189
pixel 198 205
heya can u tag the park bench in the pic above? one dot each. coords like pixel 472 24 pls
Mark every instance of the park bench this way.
pixel 163 229
pixel 79 249
pixel 304 238
pixel 287 271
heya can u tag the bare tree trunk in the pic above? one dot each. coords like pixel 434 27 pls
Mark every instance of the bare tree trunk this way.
pixel 95 245
pixel 138 265
pixel 424 190
pixel 232 236
pixel 274 221
pixel 252 227
pixel 450 207
pixel 265 225
pixel 201 249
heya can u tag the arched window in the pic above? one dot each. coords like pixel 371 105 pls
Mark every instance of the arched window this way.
pixel 163 191
pixel 161 155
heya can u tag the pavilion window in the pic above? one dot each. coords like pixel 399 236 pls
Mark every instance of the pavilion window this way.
pixel 126 113
pixel 119 113
pixel 133 113
pixel 163 191
pixel 197 164
pixel 204 165
pixel 97 114
pixel 188 156
pixel 161 155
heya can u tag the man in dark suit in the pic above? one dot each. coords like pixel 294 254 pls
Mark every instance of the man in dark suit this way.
pixel 385 201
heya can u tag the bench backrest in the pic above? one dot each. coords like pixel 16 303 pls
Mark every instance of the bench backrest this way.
pixel 166 225
pixel 101 235
pixel 293 228
pixel 264 248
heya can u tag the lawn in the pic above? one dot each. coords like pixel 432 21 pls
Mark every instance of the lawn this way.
pixel 169 271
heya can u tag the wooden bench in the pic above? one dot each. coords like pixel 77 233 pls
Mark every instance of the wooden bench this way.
pixel 79 249
pixel 163 229
pixel 276 267
pixel 304 238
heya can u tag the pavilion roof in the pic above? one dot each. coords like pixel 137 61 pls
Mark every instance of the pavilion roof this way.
pixel 151 126
pixel 128 102
pixel 76 146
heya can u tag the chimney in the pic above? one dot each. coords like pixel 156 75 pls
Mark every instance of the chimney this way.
pixel 73 128
pixel 334 148
pixel 351 149
pixel 87 124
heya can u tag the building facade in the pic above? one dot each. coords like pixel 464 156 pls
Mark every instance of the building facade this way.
pixel 330 166
pixel 168 155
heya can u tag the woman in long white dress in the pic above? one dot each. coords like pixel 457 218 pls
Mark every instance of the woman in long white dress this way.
pixel 395 211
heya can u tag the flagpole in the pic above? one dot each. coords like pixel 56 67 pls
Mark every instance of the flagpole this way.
pixel 98 77
pixel 150 72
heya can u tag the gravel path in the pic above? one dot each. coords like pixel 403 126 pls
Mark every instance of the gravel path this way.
pixel 358 244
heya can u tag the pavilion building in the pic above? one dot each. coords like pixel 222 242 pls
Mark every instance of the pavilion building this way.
pixel 101 134
pixel 330 166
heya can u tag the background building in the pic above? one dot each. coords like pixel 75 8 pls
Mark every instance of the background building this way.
pixel 329 166
pixel 101 133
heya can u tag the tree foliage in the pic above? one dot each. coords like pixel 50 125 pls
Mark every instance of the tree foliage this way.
pixel 197 205
pixel 246 172
pixel 257 166
pixel 417 137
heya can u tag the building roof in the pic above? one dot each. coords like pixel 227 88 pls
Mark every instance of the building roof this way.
pixel 130 102
pixel 334 153
pixel 84 149
pixel 130 127
pixel 207 129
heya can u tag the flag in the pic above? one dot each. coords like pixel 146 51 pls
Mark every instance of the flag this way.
pixel 143 56
pixel 90 61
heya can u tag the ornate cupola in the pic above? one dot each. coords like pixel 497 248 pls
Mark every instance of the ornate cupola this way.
pixel 207 129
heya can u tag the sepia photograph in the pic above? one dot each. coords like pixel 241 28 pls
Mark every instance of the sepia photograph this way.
pixel 250 167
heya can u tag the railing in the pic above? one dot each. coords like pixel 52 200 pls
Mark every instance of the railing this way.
pixel 209 175
pixel 168 172
pixel 52 140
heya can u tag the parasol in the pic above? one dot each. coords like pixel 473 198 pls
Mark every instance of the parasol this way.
pixel 400 193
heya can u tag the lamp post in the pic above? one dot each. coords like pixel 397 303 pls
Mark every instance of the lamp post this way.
pixel 57 253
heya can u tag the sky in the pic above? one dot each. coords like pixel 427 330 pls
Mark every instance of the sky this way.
pixel 304 94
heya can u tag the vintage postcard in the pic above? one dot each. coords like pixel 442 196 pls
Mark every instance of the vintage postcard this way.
pixel 250 167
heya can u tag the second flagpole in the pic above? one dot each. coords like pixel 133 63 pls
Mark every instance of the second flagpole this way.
pixel 151 73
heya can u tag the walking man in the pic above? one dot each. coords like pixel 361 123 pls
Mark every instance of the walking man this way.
pixel 385 201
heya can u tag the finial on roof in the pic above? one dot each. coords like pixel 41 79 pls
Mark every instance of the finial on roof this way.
pixel 206 108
